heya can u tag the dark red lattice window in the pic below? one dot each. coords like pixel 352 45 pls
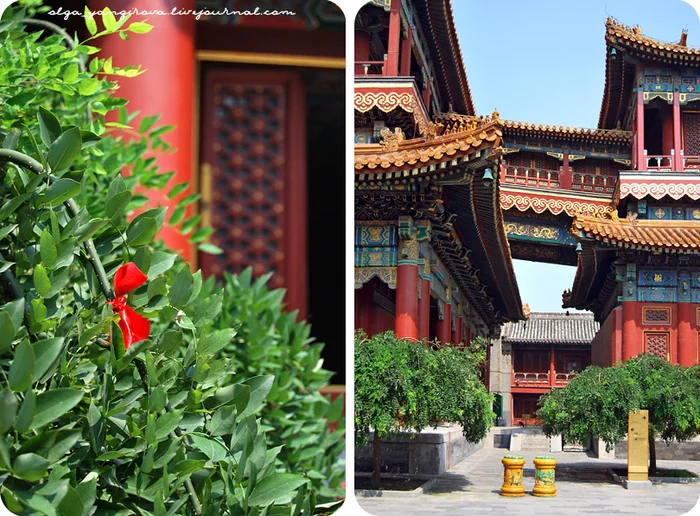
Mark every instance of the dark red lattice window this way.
pixel 656 343
pixel 691 134
pixel 254 171
pixel 657 315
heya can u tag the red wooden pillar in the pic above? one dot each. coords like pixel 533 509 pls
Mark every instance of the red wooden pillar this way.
pixel 362 52
pixel 406 323
pixel 444 329
pixel 565 179
pixel 457 333
pixel 641 158
pixel 677 144
pixel 631 344
pixel 167 53
pixel 394 39
pixel 424 302
pixel 364 299
pixel 687 338
pixel 552 371
pixel 406 53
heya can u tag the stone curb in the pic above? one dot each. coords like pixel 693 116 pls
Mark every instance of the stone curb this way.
pixel 382 493
pixel 657 480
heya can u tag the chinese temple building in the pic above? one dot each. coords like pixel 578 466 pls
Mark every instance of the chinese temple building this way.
pixel 432 259
pixel 539 354
pixel 638 269
pixel 258 108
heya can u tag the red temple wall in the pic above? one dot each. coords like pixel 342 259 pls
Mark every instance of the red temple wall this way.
pixel 370 316
pixel 606 347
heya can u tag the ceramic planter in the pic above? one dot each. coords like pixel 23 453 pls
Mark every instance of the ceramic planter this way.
pixel 513 476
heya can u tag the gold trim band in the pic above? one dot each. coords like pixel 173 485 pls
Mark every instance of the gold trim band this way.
pixel 226 56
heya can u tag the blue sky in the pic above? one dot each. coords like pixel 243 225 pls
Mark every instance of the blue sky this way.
pixel 543 61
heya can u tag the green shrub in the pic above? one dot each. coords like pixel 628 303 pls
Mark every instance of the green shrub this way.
pixel 169 426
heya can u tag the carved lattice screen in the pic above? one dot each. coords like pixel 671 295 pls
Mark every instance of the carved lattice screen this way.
pixel 657 344
pixel 254 176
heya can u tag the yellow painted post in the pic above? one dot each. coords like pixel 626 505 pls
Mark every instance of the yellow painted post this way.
pixel 513 476
pixel 638 446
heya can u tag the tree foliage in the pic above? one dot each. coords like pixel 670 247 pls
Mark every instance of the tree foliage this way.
pixel 178 423
pixel 402 385
pixel 597 402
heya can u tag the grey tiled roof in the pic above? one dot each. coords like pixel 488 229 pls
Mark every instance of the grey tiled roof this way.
pixel 552 328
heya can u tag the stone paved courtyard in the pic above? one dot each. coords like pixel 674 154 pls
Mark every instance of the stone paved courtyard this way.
pixel 472 487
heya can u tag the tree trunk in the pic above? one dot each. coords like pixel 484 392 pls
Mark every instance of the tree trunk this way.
pixel 652 454
pixel 376 460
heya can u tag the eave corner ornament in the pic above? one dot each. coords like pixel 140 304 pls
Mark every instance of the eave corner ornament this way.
pixel 391 140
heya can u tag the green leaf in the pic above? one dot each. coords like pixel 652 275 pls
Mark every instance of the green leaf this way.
pixel 167 423
pixel 160 262
pixel 275 487
pixel 64 150
pixel 87 87
pixel 7 332
pixel 61 191
pixel 185 468
pixel 212 342
pixel 156 213
pixel 147 122
pixel 117 204
pixel 30 467
pixel 210 249
pixel 177 216
pixel 201 234
pixel 7 230
pixel 142 231
pixel 235 394
pixel 15 309
pixel 70 75
pixel 47 248
pixel 178 189
pixel 22 368
pixel 11 140
pixel 51 405
pixel 139 27
pixel 72 504
pixel 49 126
pixel 89 138
pixel 260 387
pixel 170 340
pixel 36 502
pixel 87 230
pixel 182 288
pixel 212 448
pixel 90 22
pixel 41 280
pixel 8 410
pixel 108 19
pixel 190 224
pixel 46 352
pixel 222 421
pixel 26 412
pixel 10 206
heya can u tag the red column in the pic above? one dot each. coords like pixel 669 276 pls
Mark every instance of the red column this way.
pixel 631 343
pixel 444 329
pixel 552 372
pixel 424 304
pixel 468 337
pixel 406 301
pixel 167 53
pixel 641 158
pixel 394 39
pixel 677 144
pixel 457 333
pixel 565 179
pixel 363 308
pixel 406 53
pixel 687 338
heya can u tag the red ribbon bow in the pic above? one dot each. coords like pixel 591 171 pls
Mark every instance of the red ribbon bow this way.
pixel 134 327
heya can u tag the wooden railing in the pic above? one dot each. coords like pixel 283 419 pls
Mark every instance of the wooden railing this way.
pixel 691 162
pixel 593 182
pixel 370 67
pixel 532 176
pixel 564 378
pixel 529 379
pixel 659 162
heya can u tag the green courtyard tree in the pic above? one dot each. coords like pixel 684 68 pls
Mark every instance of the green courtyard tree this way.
pixel 598 400
pixel 403 385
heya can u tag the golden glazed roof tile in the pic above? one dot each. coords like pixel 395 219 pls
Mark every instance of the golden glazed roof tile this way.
pixel 580 132
pixel 681 235
pixel 634 35
pixel 396 152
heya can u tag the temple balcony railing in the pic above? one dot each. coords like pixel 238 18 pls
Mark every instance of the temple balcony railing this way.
pixel 563 379
pixel 691 162
pixel 526 176
pixel 660 162
pixel 370 68
pixel 558 179
pixel 522 379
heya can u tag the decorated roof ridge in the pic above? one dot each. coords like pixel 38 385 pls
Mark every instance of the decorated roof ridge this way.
pixel 678 235
pixel 568 130
pixel 395 151
pixel 442 12
pixel 634 34
pixel 552 328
